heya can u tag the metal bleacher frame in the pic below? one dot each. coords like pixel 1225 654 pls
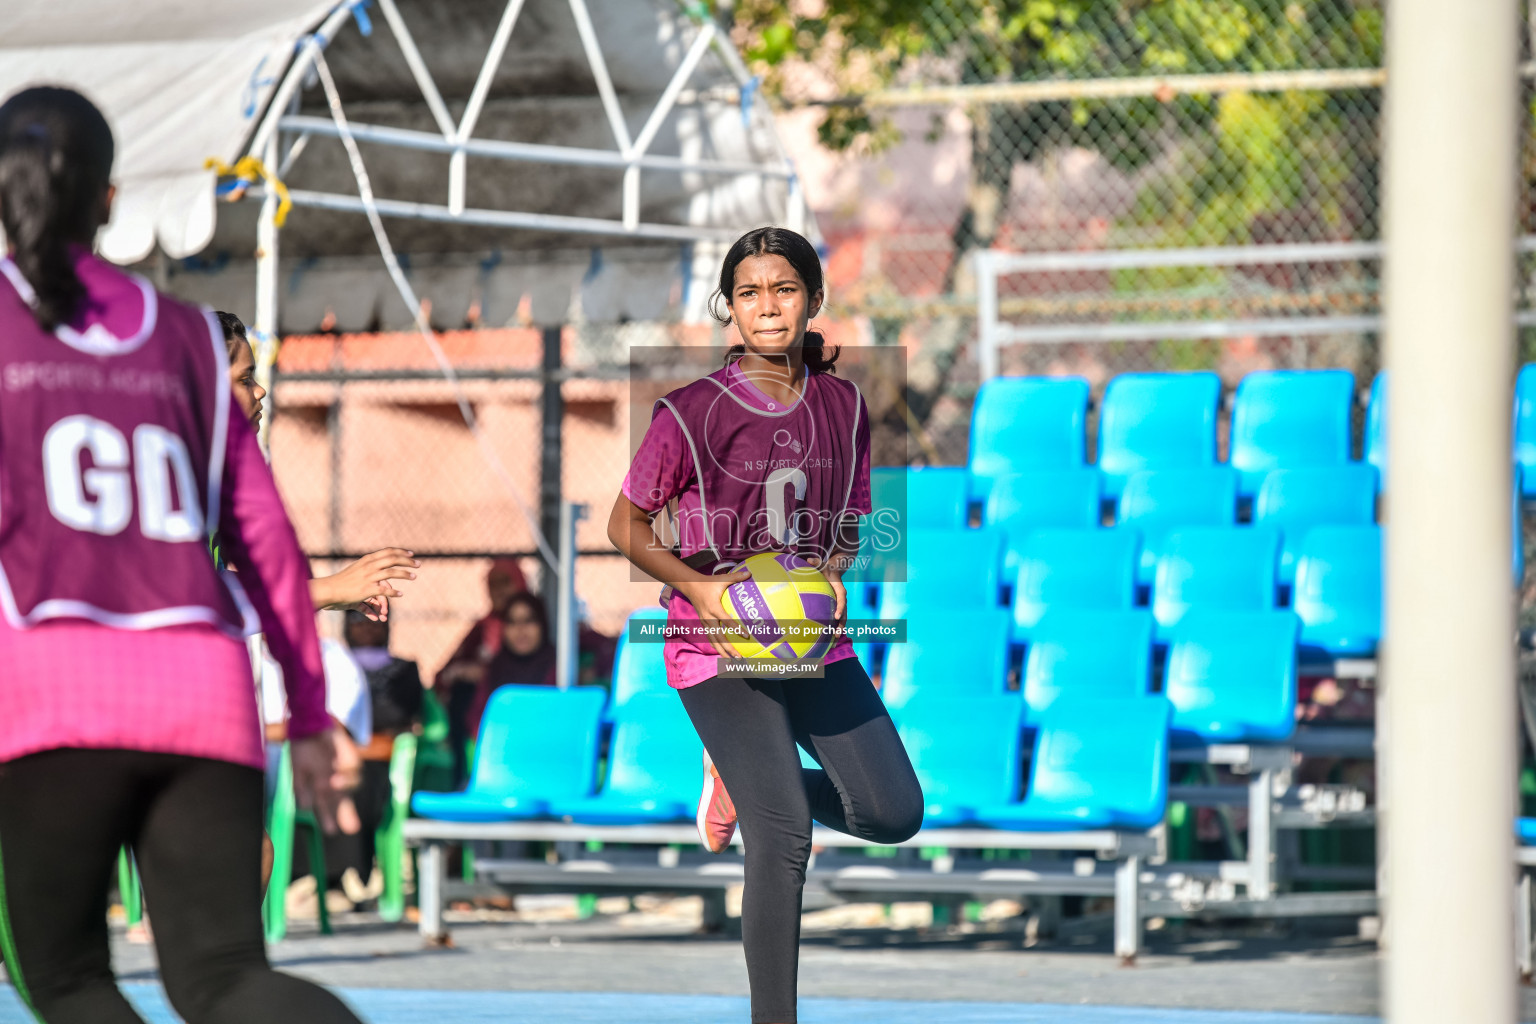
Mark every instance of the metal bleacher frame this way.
pixel 1525 912
pixel 1275 805
pixel 664 869
pixel 1128 866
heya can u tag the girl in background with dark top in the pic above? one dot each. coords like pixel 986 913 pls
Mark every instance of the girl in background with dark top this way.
pixel 395 691
pixel 458 683
pixel 363 585
pixel 525 656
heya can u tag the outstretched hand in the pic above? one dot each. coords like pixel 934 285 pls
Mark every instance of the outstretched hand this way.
pixel 325 771
pixel 365 584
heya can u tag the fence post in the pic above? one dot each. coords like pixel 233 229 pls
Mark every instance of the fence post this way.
pixel 567 628
pixel 986 314
pixel 552 410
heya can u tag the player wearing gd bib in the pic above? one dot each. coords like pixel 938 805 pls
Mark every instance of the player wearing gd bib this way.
pixel 126 710
pixel 770 451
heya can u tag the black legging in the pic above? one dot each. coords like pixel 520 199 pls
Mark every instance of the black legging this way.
pixel 195 828
pixel 864 787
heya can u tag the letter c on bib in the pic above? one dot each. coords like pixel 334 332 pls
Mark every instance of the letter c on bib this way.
pixel 99 499
pixel 777 486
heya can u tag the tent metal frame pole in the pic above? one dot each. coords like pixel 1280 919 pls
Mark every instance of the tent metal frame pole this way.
pixel 599 66
pixel 303 60
pixel 510 219
pixel 629 156
pixel 418 66
pixel 265 328
pixel 630 201
pixel 526 152
pixel 458 163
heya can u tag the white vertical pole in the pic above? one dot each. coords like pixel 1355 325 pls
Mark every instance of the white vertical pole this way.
pixel 986 314
pixel 566 627
pixel 1448 666
pixel 265 338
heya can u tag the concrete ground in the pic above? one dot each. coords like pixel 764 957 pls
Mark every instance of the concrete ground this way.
pixel 855 958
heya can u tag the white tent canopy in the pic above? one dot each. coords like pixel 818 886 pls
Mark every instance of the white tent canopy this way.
pixel 179 80
pixel 539 148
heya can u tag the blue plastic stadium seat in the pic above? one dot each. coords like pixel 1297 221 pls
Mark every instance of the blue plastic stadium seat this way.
pixel 948 653
pixel 1290 418
pixel 1376 429
pixel 638 667
pixel 1338 590
pixel 1525 427
pixel 947 569
pixel 871 656
pixel 1156 421
pixel 537 745
pixel 1156 501
pixel 924 497
pixel 1074 654
pixel 1026 423
pixel 1082 569
pixel 654 768
pixel 1096 764
pixel 1231 677
pixel 1231 568
pixel 1294 501
pixel 1020 503
pixel 1517 542
pixel 965 751
pixel 932 498
pixel 1525 830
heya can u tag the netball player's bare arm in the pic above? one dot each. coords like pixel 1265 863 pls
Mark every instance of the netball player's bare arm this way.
pixel 630 530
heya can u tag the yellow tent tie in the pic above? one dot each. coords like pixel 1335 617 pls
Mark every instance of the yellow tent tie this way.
pixel 249 168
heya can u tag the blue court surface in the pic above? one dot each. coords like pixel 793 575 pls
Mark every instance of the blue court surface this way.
pixel 398 1006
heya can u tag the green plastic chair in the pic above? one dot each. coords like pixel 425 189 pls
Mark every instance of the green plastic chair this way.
pixel 389 839
pixel 283 818
pixel 129 887
pixel 434 757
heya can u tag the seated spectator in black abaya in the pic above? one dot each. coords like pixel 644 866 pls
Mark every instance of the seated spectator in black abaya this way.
pixel 525 655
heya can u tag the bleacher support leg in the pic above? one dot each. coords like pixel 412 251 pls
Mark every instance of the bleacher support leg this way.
pixel 1261 835
pixel 429 891
pixel 1047 911
pixel 1128 910
pixel 1523 937
pixel 715 914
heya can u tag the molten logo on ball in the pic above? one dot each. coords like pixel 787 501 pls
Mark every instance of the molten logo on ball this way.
pixel 786 607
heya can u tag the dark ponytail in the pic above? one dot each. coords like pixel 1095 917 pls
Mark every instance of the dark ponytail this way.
pixel 55 165
pixel 801 254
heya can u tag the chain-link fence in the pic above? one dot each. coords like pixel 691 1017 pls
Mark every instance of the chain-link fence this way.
pixel 925 132
pixel 943 128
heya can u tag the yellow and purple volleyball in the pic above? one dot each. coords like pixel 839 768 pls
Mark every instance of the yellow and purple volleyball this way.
pixel 785 605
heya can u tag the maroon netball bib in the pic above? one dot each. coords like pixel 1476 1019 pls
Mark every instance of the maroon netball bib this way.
pixel 111 454
pixel 771 477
